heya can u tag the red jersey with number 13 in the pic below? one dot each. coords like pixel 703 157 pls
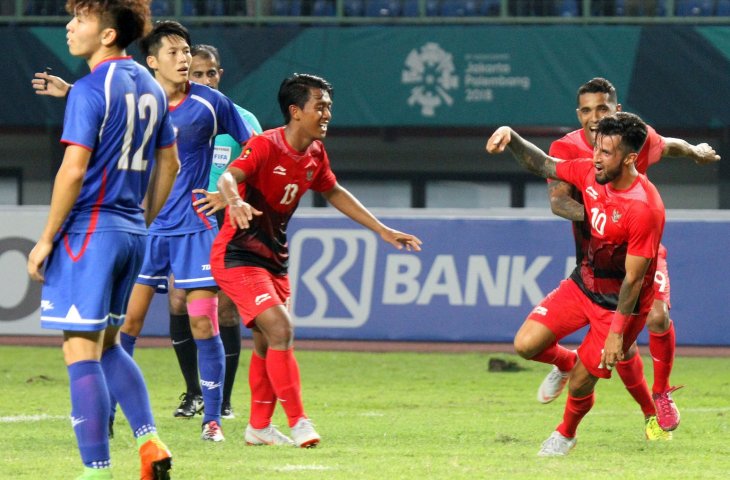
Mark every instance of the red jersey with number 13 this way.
pixel 276 178
pixel 622 222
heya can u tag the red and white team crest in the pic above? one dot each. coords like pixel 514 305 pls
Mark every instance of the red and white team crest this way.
pixel 310 174
pixel 246 153
pixel 616 216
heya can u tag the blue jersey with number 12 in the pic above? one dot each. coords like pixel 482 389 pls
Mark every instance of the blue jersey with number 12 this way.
pixel 119 113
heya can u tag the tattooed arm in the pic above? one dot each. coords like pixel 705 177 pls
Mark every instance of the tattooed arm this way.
pixel 528 155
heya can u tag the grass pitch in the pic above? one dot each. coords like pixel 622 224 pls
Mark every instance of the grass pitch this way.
pixel 381 416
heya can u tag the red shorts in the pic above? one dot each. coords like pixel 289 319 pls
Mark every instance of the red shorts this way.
pixel 567 309
pixel 252 289
pixel 661 277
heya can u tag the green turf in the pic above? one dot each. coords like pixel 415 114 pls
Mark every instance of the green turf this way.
pixel 382 416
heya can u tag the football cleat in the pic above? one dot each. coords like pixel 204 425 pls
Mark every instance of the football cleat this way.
pixel 654 432
pixel 667 414
pixel 552 386
pixel 266 436
pixel 304 435
pixel 156 460
pixel 190 405
pixel 556 445
pixel 212 432
pixel 226 410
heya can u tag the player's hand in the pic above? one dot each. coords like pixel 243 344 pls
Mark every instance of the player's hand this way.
pixel 613 350
pixel 499 140
pixel 400 240
pixel 37 257
pixel 210 203
pixel 241 213
pixel 46 84
pixel 703 154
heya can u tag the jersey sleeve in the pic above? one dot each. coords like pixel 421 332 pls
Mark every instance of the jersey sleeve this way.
pixel 83 117
pixel 231 122
pixel 574 171
pixel 325 179
pixel 654 146
pixel 645 226
pixel 166 134
pixel 560 149
pixel 254 155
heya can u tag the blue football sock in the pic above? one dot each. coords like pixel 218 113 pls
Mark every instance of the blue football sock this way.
pixel 211 361
pixel 128 342
pixel 90 412
pixel 127 385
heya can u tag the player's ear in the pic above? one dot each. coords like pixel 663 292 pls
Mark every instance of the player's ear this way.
pixel 152 62
pixel 220 72
pixel 294 111
pixel 108 36
pixel 631 158
pixel 618 107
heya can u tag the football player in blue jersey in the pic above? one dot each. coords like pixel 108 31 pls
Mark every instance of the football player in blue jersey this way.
pixel 117 128
pixel 182 234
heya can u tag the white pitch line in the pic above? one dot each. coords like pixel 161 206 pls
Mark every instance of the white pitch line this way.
pixel 31 418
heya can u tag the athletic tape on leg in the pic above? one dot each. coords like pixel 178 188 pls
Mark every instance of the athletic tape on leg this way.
pixel 205 307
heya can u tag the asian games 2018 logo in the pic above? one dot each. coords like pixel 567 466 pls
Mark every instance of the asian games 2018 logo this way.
pixel 430 70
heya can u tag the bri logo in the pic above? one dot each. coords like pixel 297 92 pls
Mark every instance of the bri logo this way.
pixel 336 284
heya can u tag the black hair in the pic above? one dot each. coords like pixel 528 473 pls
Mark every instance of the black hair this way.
pixel 151 43
pixel 295 90
pixel 598 85
pixel 629 127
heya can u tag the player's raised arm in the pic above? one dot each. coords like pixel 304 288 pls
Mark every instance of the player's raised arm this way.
pixel 340 198
pixel 701 153
pixel 527 154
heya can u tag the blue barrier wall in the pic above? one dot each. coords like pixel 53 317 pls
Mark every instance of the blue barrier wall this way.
pixel 475 280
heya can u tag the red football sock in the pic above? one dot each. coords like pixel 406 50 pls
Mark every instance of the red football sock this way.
pixel 632 374
pixel 284 375
pixel 263 398
pixel 575 410
pixel 557 355
pixel 661 347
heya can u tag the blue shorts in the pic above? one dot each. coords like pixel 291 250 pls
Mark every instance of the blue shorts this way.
pixel 87 285
pixel 186 256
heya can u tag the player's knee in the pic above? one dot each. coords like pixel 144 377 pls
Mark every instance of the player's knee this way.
pixel 658 319
pixel 227 314
pixel 177 302
pixel 525 345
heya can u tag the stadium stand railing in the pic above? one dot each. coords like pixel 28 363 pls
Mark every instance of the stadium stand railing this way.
pixel 345 12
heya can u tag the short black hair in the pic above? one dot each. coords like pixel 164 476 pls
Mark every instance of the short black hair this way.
pixel 130 18
pixel 206 51
pixel 598 85
pixel 151 43
pixel 629 127
pixel 295 90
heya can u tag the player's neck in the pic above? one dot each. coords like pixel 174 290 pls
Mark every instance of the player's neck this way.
pixel 626 180
pixel 296 139
pixel 103 54
pixel 176 92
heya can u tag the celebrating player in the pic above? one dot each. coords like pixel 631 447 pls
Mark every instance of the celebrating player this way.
pixel 116 127
pixel 613 291
pixel 206 70
pixel 537 340
pixel 250 255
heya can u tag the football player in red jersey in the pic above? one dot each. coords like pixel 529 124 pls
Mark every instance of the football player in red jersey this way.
pixel 612 289
pixel 538 340
pixel 250 256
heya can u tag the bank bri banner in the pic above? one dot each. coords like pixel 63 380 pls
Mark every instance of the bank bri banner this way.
pixel 476 279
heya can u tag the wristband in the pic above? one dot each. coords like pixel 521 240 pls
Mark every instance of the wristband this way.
pixel 619 322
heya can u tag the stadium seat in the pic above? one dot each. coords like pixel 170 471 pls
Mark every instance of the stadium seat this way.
pixel 723 8
pixel 353 8
pixel 286 8
pixel 382 8
pixel 694 8
pixel 410 8
pixel 490 8
pixel 458 8
pixel 323 8
pixel 568 8
pixel 160 8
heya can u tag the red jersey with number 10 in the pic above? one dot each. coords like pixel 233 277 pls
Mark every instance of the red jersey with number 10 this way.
pixel 621 222
pixel 276 178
